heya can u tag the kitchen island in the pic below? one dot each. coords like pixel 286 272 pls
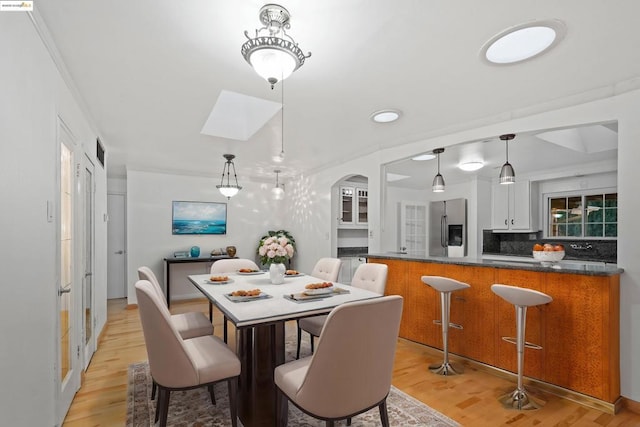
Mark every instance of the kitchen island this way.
pixel 579 330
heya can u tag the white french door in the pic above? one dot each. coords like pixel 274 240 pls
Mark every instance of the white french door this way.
pixel 67 369
pixel 413 228
pixel 88 295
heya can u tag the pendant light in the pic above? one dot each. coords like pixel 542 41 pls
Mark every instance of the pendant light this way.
pixel 507 174
pixel 278 190
pixel 228 189
pixel 438 180
pixel 273 53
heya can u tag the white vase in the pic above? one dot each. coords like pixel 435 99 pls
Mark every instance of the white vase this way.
pixel 276 273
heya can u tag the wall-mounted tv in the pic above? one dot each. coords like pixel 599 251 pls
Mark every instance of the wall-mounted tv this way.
pixel 199 218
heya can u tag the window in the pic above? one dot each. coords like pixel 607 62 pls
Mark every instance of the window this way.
pixel 583 216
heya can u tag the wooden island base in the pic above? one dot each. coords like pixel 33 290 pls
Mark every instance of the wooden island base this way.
pixel 579 331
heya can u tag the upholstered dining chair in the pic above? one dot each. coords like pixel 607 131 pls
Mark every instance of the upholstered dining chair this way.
pixel 189 325
pixel 178 364
pixel 327 269
pixel 225 266
pixel 369 276
pixel 351 370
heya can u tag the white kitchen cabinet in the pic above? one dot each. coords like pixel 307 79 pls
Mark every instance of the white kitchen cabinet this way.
pixel 513 208
pixel 412 224
pixel 353 207
pixel 349 267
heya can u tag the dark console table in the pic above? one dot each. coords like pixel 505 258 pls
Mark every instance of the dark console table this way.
pixel 169 261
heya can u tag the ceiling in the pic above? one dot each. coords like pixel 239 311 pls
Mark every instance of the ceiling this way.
pixel 539 155
pixel 150 72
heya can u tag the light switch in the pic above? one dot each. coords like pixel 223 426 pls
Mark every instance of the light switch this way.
pixel 49 211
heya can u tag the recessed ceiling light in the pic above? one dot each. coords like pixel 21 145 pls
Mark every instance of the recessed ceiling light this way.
pixel 423 157
pixel 385 116
pixel 471 166
pixel 522 42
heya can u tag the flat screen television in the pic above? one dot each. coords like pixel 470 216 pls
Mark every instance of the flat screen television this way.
pixel 199 218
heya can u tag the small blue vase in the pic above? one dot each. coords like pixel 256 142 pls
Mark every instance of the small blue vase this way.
pixel 195 252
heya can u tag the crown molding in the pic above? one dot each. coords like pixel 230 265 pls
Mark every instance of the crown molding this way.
pixel 44 34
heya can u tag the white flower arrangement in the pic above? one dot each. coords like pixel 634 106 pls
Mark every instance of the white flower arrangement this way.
pixel 276 247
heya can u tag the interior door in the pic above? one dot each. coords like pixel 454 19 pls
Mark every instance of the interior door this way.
pixel 88 294
pixel 68 331
pixel 116 260
pixel 413 228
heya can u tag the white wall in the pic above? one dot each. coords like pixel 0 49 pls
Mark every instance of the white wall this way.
pixel 314 190
pixel 32 96
pixel 250 214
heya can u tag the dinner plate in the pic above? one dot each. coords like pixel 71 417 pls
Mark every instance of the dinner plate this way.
pixel 250 273
pixel 247 298
pixel 293 275
pixel 219 282
pixel 319 291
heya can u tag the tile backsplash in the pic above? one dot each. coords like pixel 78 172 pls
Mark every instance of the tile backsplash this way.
pixel 521 244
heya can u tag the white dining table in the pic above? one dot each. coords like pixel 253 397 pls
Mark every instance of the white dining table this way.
pixel 260 337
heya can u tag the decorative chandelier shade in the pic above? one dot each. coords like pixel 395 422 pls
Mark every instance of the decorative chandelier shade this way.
pixel 507 174
pixel 227 188
pixel 278 190
pixel 438 180
pixel 272 53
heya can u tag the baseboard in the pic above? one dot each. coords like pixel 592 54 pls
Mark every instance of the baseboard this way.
pixel 631 405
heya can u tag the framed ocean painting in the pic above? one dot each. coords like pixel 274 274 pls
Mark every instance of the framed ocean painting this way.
pixel 199 218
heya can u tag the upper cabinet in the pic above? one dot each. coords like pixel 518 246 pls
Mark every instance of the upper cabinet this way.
pixel 513 208
pixel 353 207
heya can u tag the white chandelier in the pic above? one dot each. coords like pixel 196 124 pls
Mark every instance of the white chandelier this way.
pixel 272 52
pixel 227 188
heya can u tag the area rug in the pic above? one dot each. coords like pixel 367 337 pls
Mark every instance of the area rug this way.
pixel 194 407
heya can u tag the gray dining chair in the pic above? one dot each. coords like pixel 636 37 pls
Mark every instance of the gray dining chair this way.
pixel 369 276
pixel 179 364
pixel 351 370
pixel 225 266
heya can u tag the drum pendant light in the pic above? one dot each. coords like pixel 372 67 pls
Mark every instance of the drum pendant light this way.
pixel 507 174
pixel 438 180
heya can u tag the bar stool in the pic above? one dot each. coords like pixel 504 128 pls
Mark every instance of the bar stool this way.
pixel 445 286
pixel 521 298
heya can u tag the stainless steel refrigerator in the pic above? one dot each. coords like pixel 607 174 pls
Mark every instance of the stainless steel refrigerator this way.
pixel 448 228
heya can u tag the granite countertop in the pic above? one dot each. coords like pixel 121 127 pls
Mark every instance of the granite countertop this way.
pixel 588 269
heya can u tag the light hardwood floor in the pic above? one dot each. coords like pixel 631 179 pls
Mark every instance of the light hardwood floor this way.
pixel 469 399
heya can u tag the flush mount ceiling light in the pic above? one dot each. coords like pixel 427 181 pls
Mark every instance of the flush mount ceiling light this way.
pixel 385 116
pixel 438 180
pixel 272 53
pixel 507 174
pixel 228 189
pixel 470 166
pixel 522 42
pixel 423 157
pixel 278 190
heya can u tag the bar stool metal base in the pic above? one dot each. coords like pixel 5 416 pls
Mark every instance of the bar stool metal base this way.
pixel 446 369
pixel 521 400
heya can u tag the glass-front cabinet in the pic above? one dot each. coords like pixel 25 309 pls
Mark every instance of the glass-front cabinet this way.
pixel 353 206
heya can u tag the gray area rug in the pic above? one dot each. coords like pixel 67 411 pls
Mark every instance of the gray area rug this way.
pixel 194 408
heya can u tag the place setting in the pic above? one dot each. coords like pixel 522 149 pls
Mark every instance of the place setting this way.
pixel 218 280
pixel 245 296
pixel 314 291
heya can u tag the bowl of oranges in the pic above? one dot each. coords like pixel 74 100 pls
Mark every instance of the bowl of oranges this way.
pixel 548 253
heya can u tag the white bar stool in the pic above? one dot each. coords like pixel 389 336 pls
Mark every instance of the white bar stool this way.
pixel 521 298
pixel 445 286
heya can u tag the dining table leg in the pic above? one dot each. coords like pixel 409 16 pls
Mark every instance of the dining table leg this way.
pixel 260 349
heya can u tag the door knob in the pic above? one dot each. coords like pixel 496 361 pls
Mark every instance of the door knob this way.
pixel 118 252
pixel 62 290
